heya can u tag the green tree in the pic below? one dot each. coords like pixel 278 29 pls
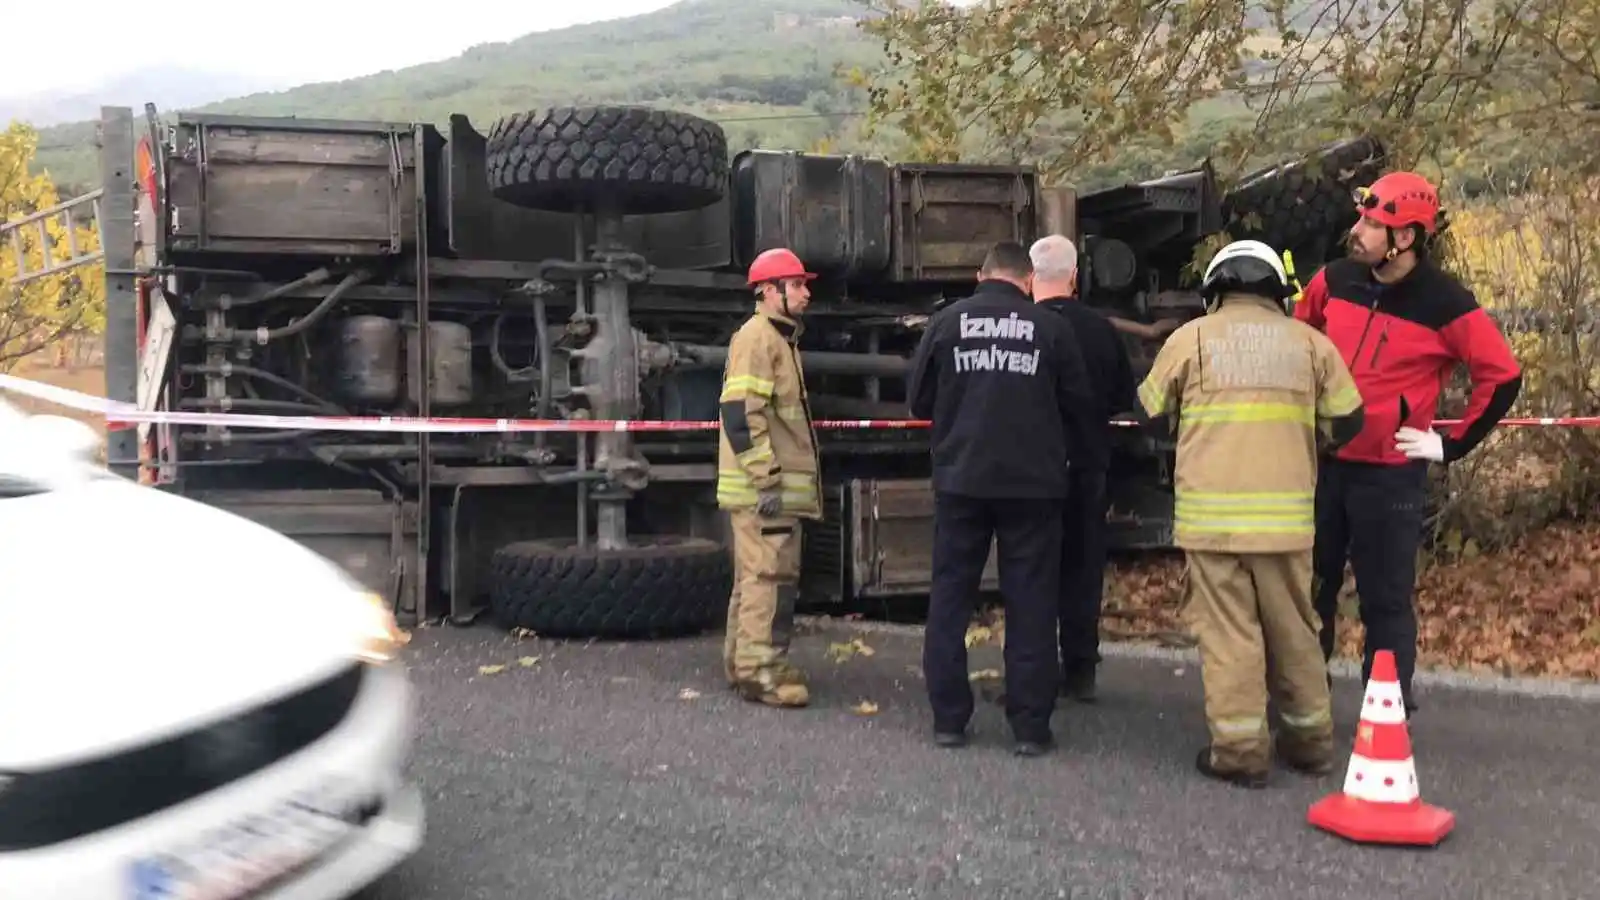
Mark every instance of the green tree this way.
pixel 1071 84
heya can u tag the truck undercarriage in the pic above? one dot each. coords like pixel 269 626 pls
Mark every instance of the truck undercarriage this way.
pixel 585 264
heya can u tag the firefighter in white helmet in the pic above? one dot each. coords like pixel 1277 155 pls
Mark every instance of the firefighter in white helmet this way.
pixel 1249 389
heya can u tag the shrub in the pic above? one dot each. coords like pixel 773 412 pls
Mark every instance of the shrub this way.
pixel 1534 262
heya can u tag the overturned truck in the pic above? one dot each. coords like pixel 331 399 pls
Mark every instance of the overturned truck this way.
pixel 582 263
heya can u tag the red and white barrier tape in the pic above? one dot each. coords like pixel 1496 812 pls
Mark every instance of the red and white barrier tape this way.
pixel 120 415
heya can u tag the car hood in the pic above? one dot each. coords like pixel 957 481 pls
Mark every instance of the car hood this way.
pixel 129 615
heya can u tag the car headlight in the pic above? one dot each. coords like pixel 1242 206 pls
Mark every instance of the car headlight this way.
pixel 378 636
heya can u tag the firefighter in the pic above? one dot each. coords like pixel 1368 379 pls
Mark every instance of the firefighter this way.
pixel 767 478
pixel 1111 387
pixel 1250 388
pixel 1401 324
pixel 1005 389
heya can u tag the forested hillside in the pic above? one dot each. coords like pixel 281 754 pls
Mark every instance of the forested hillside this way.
pixel 767 69
pixel 771 71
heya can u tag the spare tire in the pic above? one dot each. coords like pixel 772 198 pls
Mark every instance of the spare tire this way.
pixel 639 160
pixel 1304 205
pixel 662 586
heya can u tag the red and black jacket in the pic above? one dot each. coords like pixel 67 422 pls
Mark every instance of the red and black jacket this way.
pixel 1401 342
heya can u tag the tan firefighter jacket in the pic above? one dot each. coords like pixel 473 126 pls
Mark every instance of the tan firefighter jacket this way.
pixel 1249 388
pixel 766 439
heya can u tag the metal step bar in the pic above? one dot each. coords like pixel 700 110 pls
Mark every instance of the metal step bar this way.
pixel 70 214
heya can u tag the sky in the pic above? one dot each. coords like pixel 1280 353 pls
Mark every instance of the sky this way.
pixel 298 41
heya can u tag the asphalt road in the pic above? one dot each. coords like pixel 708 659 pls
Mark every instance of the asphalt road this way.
pixel 592 774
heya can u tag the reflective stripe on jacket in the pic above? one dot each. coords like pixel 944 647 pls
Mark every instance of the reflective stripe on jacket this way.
pixel 766 439
pixel 1249 387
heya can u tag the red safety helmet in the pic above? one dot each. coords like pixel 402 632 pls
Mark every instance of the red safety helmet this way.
pixel 775 265
pixel 1399 200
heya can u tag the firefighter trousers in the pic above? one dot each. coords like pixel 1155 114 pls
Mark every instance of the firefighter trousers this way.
pixel 1371 516
pixel 1083 571
pixel 1028 538
pixel 1258 634
pixel 766 582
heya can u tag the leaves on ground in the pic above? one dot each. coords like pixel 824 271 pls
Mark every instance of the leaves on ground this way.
pixel 688 694
pixel 1532 609
pixel 526 662
pixel 865 708
pixel 840 651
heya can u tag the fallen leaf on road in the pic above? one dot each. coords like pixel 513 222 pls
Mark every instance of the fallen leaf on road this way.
pixel 528 662
pixel 688 694
pixel 523 633
pixel 865 708
pixel 839 652
pixel 979 634
pixel 491 670
pixel 984 675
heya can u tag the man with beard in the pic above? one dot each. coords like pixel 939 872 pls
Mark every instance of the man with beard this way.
pixel 1401 324
pixel 767 478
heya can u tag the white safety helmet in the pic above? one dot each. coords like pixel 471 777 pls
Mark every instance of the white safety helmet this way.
pixel 1249 267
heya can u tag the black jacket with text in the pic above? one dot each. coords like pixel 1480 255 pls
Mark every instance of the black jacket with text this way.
pixel 1004 384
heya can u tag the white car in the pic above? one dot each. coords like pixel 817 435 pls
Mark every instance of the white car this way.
pixel 191 705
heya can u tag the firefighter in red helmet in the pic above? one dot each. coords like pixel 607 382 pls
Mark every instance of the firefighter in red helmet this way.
pixel 767 479
pixel 1401 324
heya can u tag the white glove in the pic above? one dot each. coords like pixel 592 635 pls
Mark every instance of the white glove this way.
pixel 1417 444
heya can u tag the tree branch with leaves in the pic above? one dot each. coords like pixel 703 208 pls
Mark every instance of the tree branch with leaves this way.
pixel 38 313
pixel 1065 85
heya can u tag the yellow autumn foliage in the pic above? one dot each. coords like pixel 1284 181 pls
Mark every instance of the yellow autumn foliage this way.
pixel 1499 247
pixel 1533 259
pixel 34 315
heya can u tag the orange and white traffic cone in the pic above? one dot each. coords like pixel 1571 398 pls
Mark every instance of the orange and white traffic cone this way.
pixel 1380 803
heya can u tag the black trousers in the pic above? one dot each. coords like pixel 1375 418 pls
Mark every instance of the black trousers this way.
pixel 1371 516
pixel 1083 570
pixel 1028 533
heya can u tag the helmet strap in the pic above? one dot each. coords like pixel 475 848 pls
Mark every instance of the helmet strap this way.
pixel 1392 253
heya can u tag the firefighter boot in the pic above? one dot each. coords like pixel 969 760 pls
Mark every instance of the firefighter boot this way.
pixel 1236 777
pixel 780 684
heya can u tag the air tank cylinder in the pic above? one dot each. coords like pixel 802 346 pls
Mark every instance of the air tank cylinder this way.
pixel 369 360
pixel 449 364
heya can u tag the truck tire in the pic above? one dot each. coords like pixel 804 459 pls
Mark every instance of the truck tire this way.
pixel 640 160
pixel 1301 208
pixel 663 586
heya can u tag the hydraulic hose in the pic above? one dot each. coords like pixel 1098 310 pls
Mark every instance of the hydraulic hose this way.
pixel 310 279
pixel 227 403
pixel 264 335
pixel 229 369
